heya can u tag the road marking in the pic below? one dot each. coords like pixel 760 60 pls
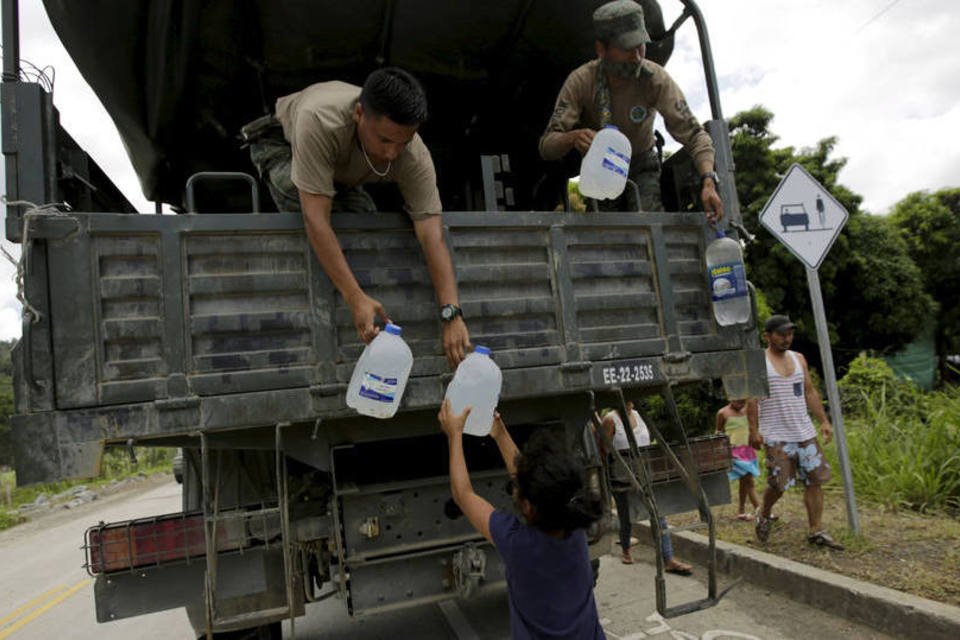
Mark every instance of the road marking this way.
pixel 36 613
pixel 30 605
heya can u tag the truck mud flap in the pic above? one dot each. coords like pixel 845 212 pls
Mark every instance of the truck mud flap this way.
pixel 251 581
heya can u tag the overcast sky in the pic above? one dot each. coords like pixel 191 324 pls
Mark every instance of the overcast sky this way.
pixel 878 74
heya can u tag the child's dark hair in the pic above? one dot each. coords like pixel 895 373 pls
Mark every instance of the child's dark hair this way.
pixel 552 479
pixel 394 93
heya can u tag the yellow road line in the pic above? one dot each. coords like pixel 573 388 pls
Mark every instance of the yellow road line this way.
pixel 6 633
pixel 30 605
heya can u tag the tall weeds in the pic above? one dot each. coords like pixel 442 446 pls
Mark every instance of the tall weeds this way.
pixel 904 444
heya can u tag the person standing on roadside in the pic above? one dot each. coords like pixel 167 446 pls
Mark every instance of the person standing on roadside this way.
pixel 732 420
pixel 781 424
pixel 621 487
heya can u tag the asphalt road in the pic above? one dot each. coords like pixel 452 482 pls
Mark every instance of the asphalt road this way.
pixel 45 593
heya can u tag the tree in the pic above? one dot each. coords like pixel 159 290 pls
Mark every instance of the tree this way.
pixel 929 224
pixel 871 288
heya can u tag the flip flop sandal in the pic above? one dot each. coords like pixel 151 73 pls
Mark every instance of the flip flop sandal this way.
pixel 824 539
pixel 763 528
pixel 680 570
pixel 745 517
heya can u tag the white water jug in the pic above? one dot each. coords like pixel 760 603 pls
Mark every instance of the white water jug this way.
pixel 380 376
pixel 476 384
pixel 728 281
pixel 604 170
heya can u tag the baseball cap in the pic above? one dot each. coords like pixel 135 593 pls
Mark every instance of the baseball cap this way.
pixel 778 323
pixel 620 23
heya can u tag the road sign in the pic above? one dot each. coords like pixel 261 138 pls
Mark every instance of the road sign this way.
pixel 803 215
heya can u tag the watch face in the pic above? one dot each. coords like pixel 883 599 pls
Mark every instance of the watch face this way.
pixel 448 312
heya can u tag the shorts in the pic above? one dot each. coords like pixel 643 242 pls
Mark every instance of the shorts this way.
pixel 745 463
pixel 789 461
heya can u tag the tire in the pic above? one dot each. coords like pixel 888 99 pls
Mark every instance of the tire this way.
pixel 271 631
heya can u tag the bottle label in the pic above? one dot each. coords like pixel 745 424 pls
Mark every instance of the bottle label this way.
pixel 378 388
pixel 728 280
pixel 615 161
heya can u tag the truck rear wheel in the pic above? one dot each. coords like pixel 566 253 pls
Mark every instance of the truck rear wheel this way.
pixel 270 631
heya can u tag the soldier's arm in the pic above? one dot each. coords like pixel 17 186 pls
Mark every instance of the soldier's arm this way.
pixel 316 217
pixel 429 231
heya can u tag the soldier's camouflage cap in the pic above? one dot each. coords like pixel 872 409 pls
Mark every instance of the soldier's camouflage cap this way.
pixel 620 23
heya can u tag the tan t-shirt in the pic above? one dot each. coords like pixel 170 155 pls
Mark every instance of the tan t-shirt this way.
pixel 634 106
pixel 318 123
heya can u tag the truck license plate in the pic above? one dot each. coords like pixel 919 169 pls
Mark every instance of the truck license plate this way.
pixel 626 372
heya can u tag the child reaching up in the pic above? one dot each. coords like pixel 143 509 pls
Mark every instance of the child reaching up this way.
pixel 549 578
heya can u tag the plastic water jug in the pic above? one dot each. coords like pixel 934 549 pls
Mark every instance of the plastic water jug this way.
pixel 728 281
pixel 604 170
pixel 476 384
pixel 380 376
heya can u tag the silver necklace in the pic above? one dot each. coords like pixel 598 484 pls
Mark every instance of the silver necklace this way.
pixel 370 164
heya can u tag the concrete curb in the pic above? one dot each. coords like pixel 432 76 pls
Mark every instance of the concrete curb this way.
pixel 887 610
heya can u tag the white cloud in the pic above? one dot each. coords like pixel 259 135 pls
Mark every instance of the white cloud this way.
pixel 883 86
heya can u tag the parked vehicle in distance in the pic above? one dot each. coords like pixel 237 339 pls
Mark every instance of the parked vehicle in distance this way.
pixel 178 466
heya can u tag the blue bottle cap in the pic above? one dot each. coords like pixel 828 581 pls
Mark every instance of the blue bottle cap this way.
pixel 481 349
pixel 394 329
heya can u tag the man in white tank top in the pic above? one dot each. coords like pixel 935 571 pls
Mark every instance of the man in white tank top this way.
pixel 781 423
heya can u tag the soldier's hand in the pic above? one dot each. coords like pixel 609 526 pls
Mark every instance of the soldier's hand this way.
pixel 582 139
pixel 712 205
pixel 365 311
pixel 456 341
pixel 826 430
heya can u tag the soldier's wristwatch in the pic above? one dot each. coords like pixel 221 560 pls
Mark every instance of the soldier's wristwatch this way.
pixel 713 176
pixel 450 311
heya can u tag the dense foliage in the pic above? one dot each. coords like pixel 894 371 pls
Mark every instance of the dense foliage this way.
pixel 872 289
pixel 904 444
pixel 930 226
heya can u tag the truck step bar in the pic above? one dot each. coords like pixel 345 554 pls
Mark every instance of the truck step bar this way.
pixel 213 519
pixel 642 470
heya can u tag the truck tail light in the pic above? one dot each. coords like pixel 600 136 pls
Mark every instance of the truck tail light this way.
pixel 152 541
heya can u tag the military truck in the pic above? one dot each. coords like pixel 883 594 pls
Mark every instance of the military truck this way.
pixel 215 330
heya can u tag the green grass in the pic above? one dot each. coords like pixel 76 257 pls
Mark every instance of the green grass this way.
pixel 906 458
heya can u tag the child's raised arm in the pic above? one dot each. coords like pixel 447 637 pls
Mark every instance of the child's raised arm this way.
pixel 508 450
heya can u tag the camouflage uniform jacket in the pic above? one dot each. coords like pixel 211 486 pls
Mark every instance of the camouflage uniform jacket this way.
pixel 634 107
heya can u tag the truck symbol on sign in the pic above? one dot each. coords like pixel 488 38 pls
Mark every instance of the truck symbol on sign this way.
pixel 794 215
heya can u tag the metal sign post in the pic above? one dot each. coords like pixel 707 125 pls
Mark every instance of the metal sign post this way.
pixel 806 218
pixel 833 396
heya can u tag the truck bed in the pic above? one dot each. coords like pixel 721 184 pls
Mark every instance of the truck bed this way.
pixel 162 326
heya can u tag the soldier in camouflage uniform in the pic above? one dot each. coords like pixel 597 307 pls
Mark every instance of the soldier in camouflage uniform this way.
pixel 328 140
pixel 622 88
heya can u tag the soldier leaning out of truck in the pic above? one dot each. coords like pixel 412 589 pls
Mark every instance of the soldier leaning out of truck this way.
pixel 332 137
pixel 549 579
pixel 621 88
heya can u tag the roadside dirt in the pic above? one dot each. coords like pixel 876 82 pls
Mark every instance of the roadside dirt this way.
pixel 918 554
